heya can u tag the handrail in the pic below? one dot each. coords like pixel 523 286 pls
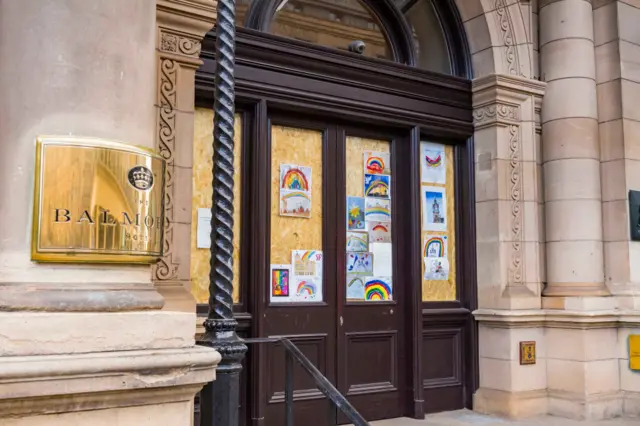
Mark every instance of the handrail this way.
pixel 324 385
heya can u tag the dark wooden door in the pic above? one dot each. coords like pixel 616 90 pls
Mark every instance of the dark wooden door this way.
pixel 357 344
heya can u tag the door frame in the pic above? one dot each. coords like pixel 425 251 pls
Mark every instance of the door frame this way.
pixel 343 85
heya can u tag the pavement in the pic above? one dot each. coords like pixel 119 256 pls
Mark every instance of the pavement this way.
pixel 469 418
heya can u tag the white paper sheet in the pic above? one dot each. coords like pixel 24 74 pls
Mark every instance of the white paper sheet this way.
pixel 203 229
pixel 382 259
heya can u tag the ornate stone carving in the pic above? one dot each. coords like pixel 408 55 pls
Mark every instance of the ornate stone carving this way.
pixel 495 111
pixel 174 43
pixel 506 29
pixel 166 269
pixel 515 164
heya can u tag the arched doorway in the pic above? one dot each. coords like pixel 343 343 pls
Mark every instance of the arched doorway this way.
pixel 323 88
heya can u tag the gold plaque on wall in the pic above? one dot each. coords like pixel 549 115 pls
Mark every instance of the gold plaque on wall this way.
pixel 634 352
pixel 97 201
pixel 527 353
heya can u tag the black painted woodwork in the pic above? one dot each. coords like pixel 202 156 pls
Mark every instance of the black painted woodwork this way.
pixel 285 81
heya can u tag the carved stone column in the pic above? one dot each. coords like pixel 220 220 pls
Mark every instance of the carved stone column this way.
pixel 508 199
pixel 181 25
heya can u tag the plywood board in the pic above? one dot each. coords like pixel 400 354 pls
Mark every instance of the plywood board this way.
pixel 202 198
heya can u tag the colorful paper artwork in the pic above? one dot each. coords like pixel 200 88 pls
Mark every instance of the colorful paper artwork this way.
pixel 377 163
pixel 436 268
pixel 435 246
pixel 379 232
pixel 306 263
pixel 378 289
pixel 434 208
pixel 432 163
pixel 355 287
pixel 308 289
pixel 360 263
pixel 357 241
pixel 295 191
pixel 355 213
pixel 280 283
pixel 378 186
pixel 377 210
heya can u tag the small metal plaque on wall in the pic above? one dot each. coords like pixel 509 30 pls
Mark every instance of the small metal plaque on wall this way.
pixel 527 353
pixel 634 352
pixel 97 201
pixel 634 214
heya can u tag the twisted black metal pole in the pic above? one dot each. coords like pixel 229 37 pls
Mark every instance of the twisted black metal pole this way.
pixel 220 399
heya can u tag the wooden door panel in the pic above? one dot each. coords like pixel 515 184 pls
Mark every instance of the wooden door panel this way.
pixel 380 371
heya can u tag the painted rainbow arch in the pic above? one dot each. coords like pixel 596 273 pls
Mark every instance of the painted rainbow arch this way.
pixel 380 228
pixel 306 288
pixel 378 210
pixel 437 242
pixel 296 194
pixel 378 187
pixel 295 179
pixel 375 165
pixel 435 161
pixel 377 290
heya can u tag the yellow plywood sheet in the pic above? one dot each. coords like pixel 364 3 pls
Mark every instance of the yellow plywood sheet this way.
pixel 301 147
pixel 202 193
pixel 356 148
pixel 433 291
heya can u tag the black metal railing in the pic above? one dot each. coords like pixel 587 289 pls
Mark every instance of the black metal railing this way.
pixel 335 398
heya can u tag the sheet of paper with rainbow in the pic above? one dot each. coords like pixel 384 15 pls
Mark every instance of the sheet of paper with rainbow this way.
pixel 295 203
pixel 306 263
pixel 355 213
pixel 378 289
pixel 295 178
pixel 379 232
pixel 360 263
pixel 357 241
pixel 377 209
pixel 308 289
pixel 280 283
pixel 378 186
pixel 434 208
pixel 435 246
pixel 355 287
pixel 436 268
pixel 433 163
pixel 377 163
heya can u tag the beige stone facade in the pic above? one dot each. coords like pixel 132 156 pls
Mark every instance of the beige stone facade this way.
pixel 556 95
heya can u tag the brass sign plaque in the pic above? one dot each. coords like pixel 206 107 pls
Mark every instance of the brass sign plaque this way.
pixel 97 201
pixel 527 353
pixel 634 352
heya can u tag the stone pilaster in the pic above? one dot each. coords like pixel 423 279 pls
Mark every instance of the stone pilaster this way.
pixel 181 25
pixel 509 244
pixel 573 208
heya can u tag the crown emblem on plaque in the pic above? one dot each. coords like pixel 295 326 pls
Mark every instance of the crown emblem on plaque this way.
pixel 141 178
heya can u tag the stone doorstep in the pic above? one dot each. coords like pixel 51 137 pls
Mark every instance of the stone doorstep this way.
pixel 470 418
pixel 32 385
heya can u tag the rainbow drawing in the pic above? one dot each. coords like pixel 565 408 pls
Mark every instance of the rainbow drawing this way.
pixel 295 179
pixel 380 228
pixel 434 247
pixel 378 210
pixel 376 186
pixel 355 289
pixel 375 165
pixel 309 255
pixel 295 194
pixel 433 161
pixel 306 288
pixel 377 289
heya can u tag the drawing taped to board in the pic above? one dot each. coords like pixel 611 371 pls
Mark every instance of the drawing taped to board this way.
pixel 436 268
pixel 306 263
pixel 377 289
pixel 308 289
pixel 357 241
pixel 295 191
pixel 355 213
pixel 280 283
pixel 379 232
pixel 295 203
pixel 434 208
pixel 355 287
pixel 433 163
pixel 435 246
pixel 295 178
pixel 377 163
pixel 360 263
pixel 378 186
pixel 377 209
